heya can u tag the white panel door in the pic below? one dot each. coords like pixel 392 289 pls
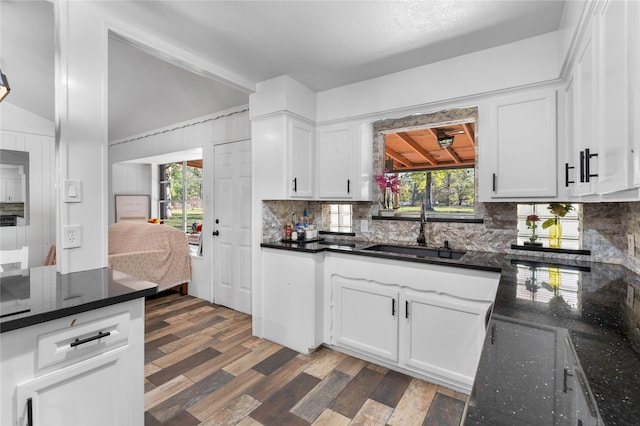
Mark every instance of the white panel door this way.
pixel 232 227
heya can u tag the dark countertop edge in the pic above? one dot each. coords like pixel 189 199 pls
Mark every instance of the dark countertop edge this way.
pixel 72 310
pixel 459 263
pixel 344 234
pixel 550 250
pixel 293 247
pixel 431 219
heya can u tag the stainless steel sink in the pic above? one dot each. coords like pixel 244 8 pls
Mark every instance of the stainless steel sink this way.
pixel 418 251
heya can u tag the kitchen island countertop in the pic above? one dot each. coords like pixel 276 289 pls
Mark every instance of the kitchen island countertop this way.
pixel 44 294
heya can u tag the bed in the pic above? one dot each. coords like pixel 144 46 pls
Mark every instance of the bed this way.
pixel 152 252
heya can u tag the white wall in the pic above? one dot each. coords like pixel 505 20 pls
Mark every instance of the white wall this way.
pixel 23 131
pixel 513 65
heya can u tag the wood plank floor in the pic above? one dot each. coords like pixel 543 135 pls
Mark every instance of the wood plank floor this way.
pixel 203 367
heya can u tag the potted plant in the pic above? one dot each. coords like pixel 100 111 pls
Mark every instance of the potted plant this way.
pixel 555 229
pixel 532 224
pixel 389 184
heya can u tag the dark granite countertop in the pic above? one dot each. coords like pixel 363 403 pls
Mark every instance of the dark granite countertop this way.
pixel 44 294
pixel 562 345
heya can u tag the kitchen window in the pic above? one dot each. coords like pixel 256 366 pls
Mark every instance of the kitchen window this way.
pixel 181 194
pixel 571 225
pixel 340 218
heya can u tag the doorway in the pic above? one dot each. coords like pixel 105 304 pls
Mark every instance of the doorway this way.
pixel 232 225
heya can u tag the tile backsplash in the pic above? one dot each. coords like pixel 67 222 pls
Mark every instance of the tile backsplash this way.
pixel 604 228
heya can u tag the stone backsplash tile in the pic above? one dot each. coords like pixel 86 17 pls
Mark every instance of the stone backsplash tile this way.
pixel 604 228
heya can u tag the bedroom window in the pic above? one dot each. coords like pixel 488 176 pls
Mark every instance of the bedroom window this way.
pixel 181 194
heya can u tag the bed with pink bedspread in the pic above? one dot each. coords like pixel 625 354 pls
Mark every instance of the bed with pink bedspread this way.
pixel 152 252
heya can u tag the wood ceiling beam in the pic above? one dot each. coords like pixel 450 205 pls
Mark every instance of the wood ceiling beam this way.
pixel 417 148
pixel 398 157
pixel 471 137
pixel 453 155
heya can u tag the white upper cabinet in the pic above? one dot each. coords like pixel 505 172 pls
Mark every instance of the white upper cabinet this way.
pixel 606 74
pixel 522 137
pixel 344 158
pixel 336 151
pixel 300 140
pixel 283 151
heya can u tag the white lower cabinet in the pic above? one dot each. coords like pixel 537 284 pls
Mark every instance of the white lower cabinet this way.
pixel 85 369
pixel 373 329
pixel 80 395
pixel 442 334
pixel 425 319
pixel 291 314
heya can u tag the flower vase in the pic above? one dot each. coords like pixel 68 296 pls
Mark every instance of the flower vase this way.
pixel 555 234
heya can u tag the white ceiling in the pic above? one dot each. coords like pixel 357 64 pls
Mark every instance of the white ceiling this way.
pixel 322 44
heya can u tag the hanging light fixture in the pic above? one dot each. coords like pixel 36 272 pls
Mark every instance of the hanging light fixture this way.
pixel 444 140
pixel 4 86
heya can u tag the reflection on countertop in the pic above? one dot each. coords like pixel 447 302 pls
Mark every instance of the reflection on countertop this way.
pixel 44 294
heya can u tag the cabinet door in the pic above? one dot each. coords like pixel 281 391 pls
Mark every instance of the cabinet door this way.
pixel 335 162
pixel 443 335
pixel 367 317
pixel 584 114
pixel 634 89
pixel 92 392
pixel 523 140
pixel 300 159
pixel 289 314
pixel 612 105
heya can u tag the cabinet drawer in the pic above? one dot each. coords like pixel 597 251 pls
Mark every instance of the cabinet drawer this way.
pixel 83 340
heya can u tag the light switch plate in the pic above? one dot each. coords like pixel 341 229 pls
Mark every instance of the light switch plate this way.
pixel 72 191
pixel 630 296
pixel 364 225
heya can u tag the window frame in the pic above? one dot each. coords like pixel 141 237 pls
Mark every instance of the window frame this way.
pixel 184 201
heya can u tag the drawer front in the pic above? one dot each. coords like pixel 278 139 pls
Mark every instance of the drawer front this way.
pixel 84 340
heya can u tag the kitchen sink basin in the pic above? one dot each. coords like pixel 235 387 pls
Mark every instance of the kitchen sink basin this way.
pixel 418 251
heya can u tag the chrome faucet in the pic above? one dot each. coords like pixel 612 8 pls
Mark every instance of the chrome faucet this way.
pixel 422 237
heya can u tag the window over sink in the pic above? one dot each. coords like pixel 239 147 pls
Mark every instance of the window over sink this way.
pixel 431 160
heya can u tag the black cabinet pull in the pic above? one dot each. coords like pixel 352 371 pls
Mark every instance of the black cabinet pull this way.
pixel 348 186
pixel 295 184
pixel 79 342
pixel 215 233
pixel 587 164
pixel 566 174
pixel 494 182
pixel 565 387
pixel 29 412
pixel 406 309
pixel 581 166
pixel 393 307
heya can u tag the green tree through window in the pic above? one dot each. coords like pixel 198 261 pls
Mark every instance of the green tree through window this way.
pixel 441 191
pixel 180 208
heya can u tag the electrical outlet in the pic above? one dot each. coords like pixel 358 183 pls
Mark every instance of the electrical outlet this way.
pixel 630 296
pixel 631 243
pixel 71 236
pixel 364 225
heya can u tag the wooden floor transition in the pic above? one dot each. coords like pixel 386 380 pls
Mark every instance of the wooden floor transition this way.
pixel 203 367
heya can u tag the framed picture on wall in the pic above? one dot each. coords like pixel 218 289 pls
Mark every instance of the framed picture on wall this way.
pixel 133 208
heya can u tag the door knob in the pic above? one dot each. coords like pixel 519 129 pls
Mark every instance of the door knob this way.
pixel 216 233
